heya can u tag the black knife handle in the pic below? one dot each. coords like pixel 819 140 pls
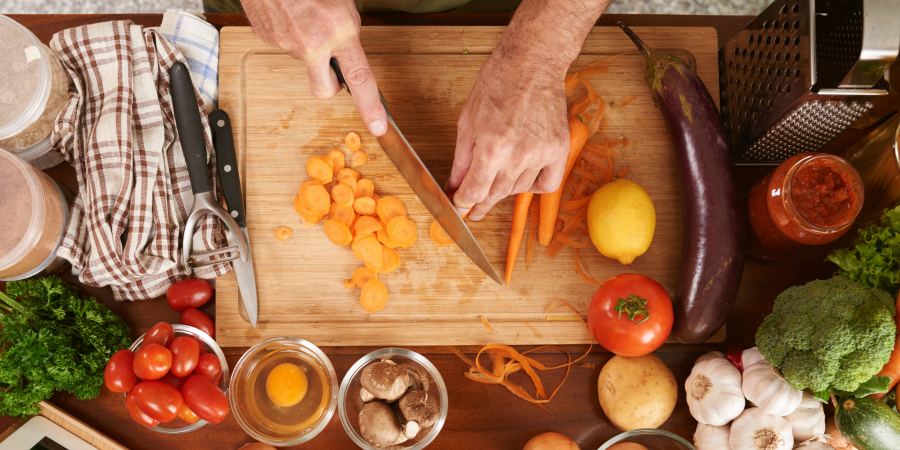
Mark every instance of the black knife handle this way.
pixel 340 75
pixel 190 129
pixel 226 160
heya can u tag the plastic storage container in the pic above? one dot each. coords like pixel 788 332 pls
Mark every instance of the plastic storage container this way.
pixel 33 92
pixel 35 213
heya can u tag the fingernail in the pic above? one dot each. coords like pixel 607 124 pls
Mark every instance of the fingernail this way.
pixel 377 127
pixel 475 218
pixel 462 211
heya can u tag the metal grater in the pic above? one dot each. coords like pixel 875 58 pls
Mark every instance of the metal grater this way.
pixel 791 84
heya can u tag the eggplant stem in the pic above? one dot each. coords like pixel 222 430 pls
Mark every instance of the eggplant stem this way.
pixel 644 48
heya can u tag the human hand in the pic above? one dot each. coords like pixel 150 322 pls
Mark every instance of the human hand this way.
pixel 315 31
pixel 512 134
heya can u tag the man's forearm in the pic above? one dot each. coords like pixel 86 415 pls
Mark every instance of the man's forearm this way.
pixel 550 32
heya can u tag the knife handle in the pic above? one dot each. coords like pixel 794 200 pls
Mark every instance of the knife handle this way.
pixel 226 160
pixel 340 75
pixel 190 128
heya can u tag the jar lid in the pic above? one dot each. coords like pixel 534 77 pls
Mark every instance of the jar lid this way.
pixel 23 209
pixel 27 78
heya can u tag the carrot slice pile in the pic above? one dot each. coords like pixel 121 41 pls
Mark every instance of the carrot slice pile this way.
pixel 355 216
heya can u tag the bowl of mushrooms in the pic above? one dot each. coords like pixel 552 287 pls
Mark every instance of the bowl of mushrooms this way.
pixel 394 399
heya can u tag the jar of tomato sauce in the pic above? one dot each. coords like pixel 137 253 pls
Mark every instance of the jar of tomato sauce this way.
pixel 810 199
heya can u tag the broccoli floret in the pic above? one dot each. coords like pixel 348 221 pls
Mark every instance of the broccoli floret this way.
pixel 829 334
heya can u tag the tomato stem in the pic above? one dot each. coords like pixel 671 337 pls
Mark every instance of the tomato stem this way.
pixel 633 306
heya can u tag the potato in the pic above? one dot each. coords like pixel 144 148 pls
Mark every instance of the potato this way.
pixel 637 392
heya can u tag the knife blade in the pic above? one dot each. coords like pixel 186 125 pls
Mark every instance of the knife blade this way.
pixel 426 187
pixel 226 161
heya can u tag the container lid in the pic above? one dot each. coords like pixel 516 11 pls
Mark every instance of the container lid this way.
pixel 26 74
pixel 22 206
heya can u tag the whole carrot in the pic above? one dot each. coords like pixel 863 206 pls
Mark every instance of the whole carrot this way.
pixel 520 218
pixel 578 135
pixel 892 368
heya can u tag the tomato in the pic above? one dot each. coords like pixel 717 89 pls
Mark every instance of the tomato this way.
pixel 159 400
pixel 631 315
pixel 152 361
pixel 205 398
pixel 185 353
pixel 185 414
pixel 190 293
pixel 202 346
pixel 172 380
pixel 119 373
pixel 199 320
pixel 209 367
pixel 161 333
pixel 138 414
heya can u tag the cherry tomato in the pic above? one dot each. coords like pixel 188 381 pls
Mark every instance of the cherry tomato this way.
pixel 159 400
pixel 190 293
pixel 185 414
pixel 119 373
pixel 152 361
pixel 172 380
pixel 631 315
pixel 205 398
pixel 138 414
pixel 209 367
pixel 161 333
pixel 185 353
pixel 199 320
pixel 202 346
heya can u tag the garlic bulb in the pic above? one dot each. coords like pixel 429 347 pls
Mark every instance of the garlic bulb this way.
pixel 711 437
pixel 714 392
pixel 808 420
pixel 766 388
pixel 751 356
pixel 814 445
pixel 710 355
pixel 756 430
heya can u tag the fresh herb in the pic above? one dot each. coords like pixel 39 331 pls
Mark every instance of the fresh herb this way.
pixel 874 259
pixel 53 339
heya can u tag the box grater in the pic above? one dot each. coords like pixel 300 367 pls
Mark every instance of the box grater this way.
pixel 803 71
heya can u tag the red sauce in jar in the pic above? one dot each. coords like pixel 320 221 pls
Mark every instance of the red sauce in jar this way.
pixel 822 193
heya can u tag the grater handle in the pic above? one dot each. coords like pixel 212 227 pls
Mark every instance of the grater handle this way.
pixel 880 44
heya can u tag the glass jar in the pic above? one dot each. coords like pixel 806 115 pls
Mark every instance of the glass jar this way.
pixel 810 199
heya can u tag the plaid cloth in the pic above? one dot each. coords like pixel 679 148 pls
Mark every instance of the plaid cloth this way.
pixel 198 41
pixel 118 130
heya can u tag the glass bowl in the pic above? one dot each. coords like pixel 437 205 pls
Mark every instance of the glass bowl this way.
pixel 259 418
pixel 177 426
pixel 350 403
pixel 651 438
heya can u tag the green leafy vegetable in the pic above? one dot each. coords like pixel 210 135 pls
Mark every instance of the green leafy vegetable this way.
pixel 829 335
pixel 53 339
pixel 874 259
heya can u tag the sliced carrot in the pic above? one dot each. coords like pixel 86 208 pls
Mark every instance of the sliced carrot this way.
pixel 574 203
pixel 351 182
pixel 375 197
pixel 583 275
pixel 532 238
pixel 402 231
pixel 367 224
pixel 365 188
pixel 355 245
pixel 390 259
pixel 352 141
pixel 374 296
pixel 439 235
pixel 370 249
pixel 594 68
pixel 364 206
pixel 390 207
pixel 309 218
pixel 315 197
pixel 557 245
pixel 343 213
pixel 348 283
pixel 362 275
pixel 594 123
pixel 517 232
pixel 570 242
pixel 283 232
pixel 623 172
pixel 360 158
pixel 578 134
pixel 338 232
pixel 336 156
pixel 579 107
pixel 384 238
pixel 343 195
pixel 319 170
pixel 347 172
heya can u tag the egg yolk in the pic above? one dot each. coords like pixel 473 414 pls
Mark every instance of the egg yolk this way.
pixel 286 385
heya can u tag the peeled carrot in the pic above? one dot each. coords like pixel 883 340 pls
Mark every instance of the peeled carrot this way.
pixel 365 188
pixel 578 134
pixel 360 158
pixel 402 231
pixel 309 217
pixel 367 224
pixel 374 296
pixel 385 239
pixel 336 156
pixel 343 213
pixel 520 217
pixel 347 172
pixel 342 195
pixel 315 197
pixel 352 141
pixel 439 235
pixel 532 238
pixel 348 283
pixel 371 250
pixel 390 207
pixel 892 368
pixel 319 169
pixel 351 182
pixel 355 245
pixel 364 206
pixel 338 232
pixel 557 245
pixel 362 275
pixel 283 233
pixel 390 259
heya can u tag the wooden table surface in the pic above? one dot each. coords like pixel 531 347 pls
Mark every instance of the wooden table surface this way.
pixel 480 416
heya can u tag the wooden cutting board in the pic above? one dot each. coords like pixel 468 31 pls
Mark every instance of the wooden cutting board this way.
pixel 437 296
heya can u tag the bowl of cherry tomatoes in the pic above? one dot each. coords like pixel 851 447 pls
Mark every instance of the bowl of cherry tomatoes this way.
pixel 173 379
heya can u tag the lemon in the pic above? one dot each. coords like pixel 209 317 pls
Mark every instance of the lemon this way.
pixel 621 220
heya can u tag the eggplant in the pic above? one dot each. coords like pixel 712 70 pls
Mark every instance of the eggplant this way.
pixel 712 259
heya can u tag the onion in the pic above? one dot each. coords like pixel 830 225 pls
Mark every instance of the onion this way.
pixel 550 441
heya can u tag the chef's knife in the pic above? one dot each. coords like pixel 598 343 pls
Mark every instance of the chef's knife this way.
pixel 226 160
pixel 426 187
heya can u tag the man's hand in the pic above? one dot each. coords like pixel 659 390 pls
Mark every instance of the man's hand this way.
pixel 315 31
pixel 513 134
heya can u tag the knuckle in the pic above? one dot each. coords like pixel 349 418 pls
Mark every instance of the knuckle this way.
pixel 358 76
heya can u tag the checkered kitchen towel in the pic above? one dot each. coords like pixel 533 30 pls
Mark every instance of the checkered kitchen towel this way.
pixel 118 131
pixel 198 41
